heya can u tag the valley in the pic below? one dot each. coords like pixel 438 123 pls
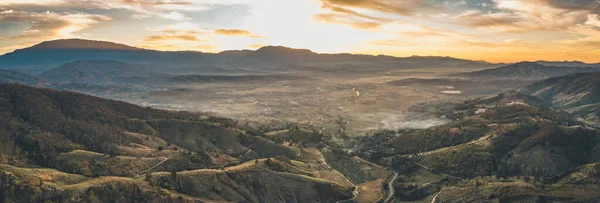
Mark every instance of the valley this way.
pixel 102 122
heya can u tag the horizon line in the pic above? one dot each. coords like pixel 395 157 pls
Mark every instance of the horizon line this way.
pixel 294 48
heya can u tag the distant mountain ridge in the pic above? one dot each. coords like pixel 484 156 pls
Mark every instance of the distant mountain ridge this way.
pixel 526 71
pixel 13 76
pixel 81 44
pixel 568 64
pixel 92 71
pixel 51 54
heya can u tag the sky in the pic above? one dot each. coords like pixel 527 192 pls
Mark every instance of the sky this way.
pixel 490 30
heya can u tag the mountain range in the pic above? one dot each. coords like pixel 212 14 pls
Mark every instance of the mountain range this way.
pixel 527 71
pixel 569 64
pixel 537 142
pixel 51 54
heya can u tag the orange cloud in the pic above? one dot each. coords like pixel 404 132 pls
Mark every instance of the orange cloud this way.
pixel 157 2
pixel 502 21
pixel 48 25
pixel 404 7
pixel 236 32
pixel 180 37
pixel 342 19
pixel 353 13
pixel 232 32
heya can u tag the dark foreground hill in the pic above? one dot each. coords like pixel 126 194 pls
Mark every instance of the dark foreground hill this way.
pixel 62 146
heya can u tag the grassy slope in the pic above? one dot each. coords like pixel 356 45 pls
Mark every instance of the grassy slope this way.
pixel 103 139
pixel 515 137
pixel 265 181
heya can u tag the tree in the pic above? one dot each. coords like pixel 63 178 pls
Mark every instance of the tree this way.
pixel 174 178
pixel 284 159
pixel 160 148
pixel 342 124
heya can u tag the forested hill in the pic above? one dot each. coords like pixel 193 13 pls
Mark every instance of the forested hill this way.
pixel 55 144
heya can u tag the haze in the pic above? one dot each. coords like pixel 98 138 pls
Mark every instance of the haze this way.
pixel 290 101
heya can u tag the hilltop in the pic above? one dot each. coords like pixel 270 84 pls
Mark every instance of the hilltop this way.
pixel 79 44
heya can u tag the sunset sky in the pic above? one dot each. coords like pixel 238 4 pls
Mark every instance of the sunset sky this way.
pixel 491 30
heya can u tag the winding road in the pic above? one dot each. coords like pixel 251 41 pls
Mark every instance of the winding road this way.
pixel 158 164
pixel 391 188
pixel 436 195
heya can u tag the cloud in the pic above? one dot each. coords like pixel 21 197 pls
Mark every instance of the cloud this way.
pixel 233 32
pixel 174 16
pixel 372 14
pixel 179 28
pixel 338 9
pixel 591 5
pixel 177 41
pixel 346 20
pixel 136 5
pixel 391 42
pixel 190 36
pixel 48 25
pixel 593 20
pixel 589 37
pixel 168 9
pixel 525 15
pixel 140 16
pixel 404 7
pixel 497 21
pixel 236 32
pixel 180 37
pixel 416 30
pixel 157 2
pixel 193 28
pixel 508 43
pixel 345 12
pixel 477 43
